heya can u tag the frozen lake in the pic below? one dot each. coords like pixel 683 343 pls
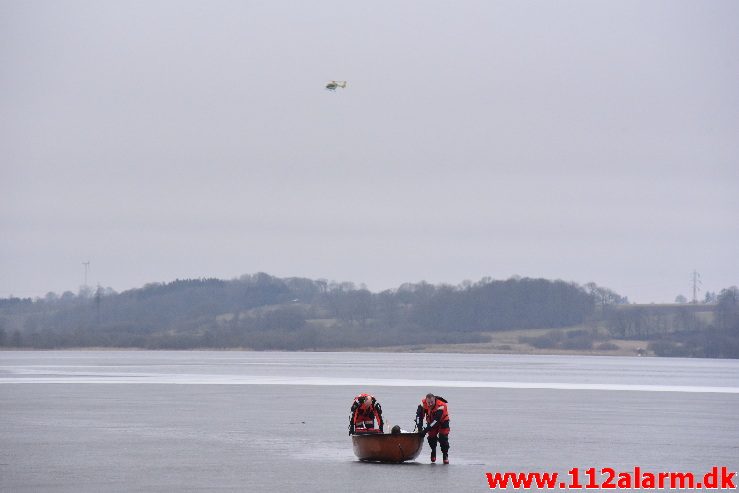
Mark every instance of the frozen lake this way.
pixel 89 421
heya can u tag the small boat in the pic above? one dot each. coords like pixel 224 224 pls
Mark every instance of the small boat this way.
pixel 393 447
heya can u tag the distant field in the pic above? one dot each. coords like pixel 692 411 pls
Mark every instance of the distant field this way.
pixel 507 342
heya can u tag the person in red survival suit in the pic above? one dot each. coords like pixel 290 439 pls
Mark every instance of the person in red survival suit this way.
pixel 365 410
pixel 436 411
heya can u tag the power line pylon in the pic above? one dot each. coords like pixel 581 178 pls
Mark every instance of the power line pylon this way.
pixel 696 285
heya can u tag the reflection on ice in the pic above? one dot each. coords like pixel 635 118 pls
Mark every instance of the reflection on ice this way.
pixel 54 375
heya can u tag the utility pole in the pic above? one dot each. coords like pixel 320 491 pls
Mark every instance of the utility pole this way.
pixel 87 266
pixel 696 281
pixel 98 297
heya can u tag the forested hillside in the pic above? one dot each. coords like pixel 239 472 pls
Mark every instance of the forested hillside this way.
pixel 264 312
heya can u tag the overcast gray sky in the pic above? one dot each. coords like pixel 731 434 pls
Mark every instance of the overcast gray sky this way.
pixel 581 140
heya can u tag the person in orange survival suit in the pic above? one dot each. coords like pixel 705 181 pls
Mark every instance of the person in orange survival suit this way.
pixel 436 411
pixel 365 410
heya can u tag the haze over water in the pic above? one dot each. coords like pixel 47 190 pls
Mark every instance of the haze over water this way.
pixel 240 421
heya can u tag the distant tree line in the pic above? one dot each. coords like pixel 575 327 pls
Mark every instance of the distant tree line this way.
pixel 717 337
pixel 688 330
pixel 264 312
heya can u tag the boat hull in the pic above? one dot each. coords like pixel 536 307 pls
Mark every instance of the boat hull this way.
pixel 400 447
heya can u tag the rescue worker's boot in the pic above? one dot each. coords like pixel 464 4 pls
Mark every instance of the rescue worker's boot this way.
pixel 444 442
pixel 433 456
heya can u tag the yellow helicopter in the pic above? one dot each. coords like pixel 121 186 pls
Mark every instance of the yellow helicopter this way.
pixel 334 84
